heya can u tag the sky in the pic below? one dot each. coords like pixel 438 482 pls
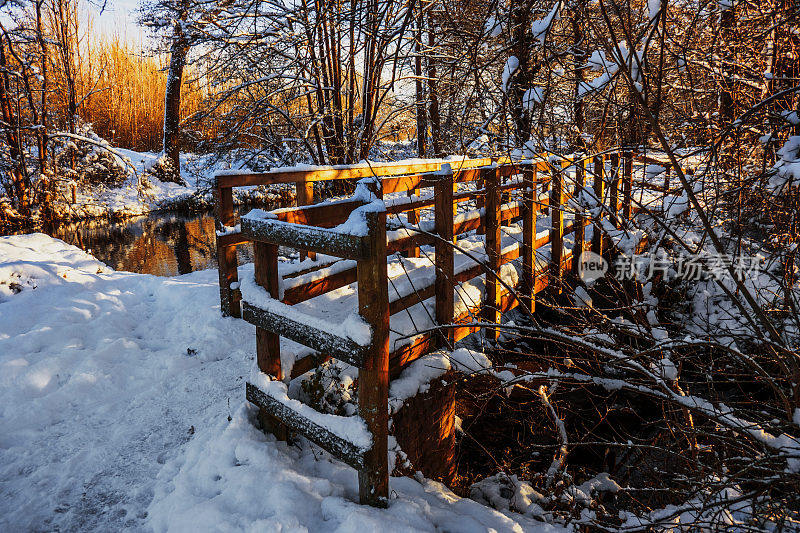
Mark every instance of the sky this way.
pixel 118 17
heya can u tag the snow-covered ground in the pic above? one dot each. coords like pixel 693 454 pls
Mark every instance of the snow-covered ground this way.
pixel 141 192
pixel 121 406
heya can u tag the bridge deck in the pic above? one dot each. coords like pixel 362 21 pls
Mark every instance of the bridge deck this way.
pixel 407 278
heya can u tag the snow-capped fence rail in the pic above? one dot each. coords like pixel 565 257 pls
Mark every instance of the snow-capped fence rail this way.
pixel 492 194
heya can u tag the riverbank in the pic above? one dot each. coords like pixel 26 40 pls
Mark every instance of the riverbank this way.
pixel 142 193
pixel 139 192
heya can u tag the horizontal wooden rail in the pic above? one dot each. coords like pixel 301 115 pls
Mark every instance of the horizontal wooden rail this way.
pixel 310 238
pixel 300 332
pixel 344 450
pixel 323 215
pixel 312 174
pixel 317 287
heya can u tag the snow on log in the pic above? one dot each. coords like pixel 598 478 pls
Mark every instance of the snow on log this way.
pixel 301 331
pixel 326 241
pixel 366 169
pixel 341 448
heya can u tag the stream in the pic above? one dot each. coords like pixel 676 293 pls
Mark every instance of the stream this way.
pixel 162 244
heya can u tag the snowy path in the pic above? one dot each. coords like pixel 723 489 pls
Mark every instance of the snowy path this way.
pixel 98 389
pixel 114 402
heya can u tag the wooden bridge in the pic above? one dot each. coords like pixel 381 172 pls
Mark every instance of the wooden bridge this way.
pixel 460 235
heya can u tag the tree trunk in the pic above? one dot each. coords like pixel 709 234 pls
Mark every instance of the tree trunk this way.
pixel 19 187
pixel 172 99
pixel 727 22
pixel 579 56
pixel 422 123
pixel 433 95
pixel 520 82
pixel 41 134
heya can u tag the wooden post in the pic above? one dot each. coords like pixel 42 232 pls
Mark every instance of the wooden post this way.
pixel 505 196
pixel 613 193
pixel 445 282
pixel 627 185
pixel 530 208
pixel 547 187
pixel 556 223
pixel 455 207
pixel 491 303
pixel 579 222
pixel 413 219
pixel 373 376
pixel 226 254
pixel 268 344
pixel 599 192
pixel 480 203
pixel 304 193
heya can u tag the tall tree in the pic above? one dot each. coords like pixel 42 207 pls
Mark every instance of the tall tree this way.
pixel 178 50
pixel 17 185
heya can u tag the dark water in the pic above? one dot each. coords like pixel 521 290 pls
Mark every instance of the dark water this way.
pixel 163 244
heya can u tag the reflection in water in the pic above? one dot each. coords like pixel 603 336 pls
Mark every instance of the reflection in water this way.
pixel 164 244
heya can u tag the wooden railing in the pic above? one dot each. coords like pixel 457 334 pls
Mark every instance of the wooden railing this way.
pixel 503 191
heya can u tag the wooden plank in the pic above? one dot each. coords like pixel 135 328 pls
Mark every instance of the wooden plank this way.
pixel 556 223
pixel 491 311
pixel 304 237
pixel 503 190
pixel 404 243
pixel 406 183
pixel 309 362
pixel 530 212
pixel 627 185
pixel 227 266
pixel 443 212
pixel 405 355
pixel 613 193
pixel 465 175
pixel 599 192
pixel 463 196
pixel 340 172
pixel 268 344
pixel 325 215
pixel 419 295
pixel 423 293
pixel 426 179
pixel 463 226
pixel 413 219
pixel 580 219
pixel 315 338
pixel 304 194
pixel 480 202
pixel 231 239
pixel 318 265
pixel 317 287
pixel 373 374
pixel 343 450
pixel 312 289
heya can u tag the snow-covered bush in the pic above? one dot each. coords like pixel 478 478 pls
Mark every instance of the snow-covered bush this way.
pixel 164 171
pixel 331 389
pixel 87 159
